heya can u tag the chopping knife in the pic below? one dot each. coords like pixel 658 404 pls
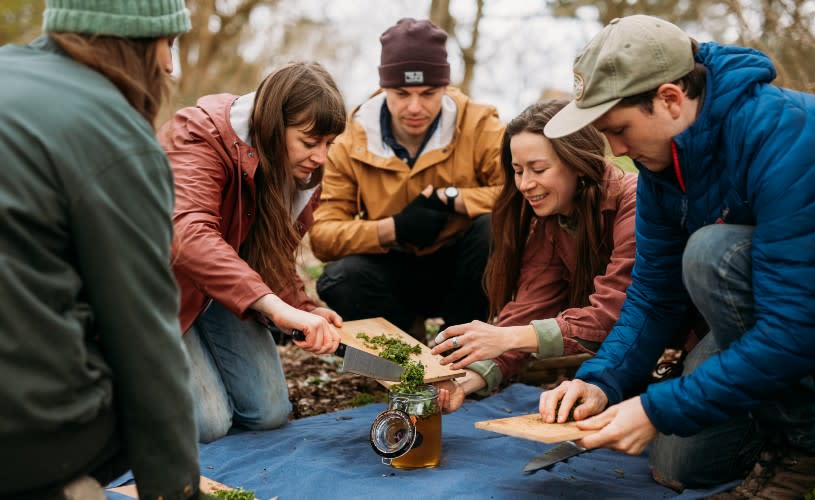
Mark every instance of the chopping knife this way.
pixel 361 362
pixel 564 450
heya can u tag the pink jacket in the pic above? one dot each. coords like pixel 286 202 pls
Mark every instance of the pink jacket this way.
pixel 215 203
pixel 548 263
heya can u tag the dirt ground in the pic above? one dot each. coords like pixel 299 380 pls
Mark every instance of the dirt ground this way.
pixel 317 386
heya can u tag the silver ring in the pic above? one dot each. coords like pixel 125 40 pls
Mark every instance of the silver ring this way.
pixel 454 341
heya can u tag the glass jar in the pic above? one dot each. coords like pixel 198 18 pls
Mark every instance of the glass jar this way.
pixel 408 434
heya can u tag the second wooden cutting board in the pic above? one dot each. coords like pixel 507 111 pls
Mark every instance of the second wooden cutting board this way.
pixel 533 427
pixel 434 372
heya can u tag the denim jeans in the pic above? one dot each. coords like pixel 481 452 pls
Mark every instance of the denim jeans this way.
pixel 717 272
pixel 237 378
pixel 400 286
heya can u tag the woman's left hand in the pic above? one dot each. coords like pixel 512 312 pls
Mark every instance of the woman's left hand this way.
pixel 476 341
pixel 328 314
pixel 451 395
pixel 623 427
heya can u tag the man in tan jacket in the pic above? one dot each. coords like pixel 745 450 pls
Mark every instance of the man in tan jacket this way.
pixel 407 192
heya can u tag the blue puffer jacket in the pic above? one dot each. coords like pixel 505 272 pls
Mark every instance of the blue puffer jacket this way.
pixel 749 158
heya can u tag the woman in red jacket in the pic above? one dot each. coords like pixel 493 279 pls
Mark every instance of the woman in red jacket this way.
pixel 563 236
pixel 247 175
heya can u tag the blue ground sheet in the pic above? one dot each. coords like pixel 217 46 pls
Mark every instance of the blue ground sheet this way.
pixel 329 457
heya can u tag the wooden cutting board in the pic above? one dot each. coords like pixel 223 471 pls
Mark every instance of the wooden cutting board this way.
pixel 206 485
pixel 532 427
pixel 433 371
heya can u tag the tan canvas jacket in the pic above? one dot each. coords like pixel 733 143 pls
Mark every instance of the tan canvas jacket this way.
pixel 365 181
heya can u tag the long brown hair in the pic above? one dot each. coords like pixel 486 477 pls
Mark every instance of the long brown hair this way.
pixel 131 64
pixel 512 216
pixel 298 94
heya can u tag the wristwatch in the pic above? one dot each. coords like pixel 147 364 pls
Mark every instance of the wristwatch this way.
pixel 451 192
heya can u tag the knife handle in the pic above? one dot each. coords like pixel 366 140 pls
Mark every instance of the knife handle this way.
pixel 300 336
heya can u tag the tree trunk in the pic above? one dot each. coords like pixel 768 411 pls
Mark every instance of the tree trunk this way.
pixel 440 15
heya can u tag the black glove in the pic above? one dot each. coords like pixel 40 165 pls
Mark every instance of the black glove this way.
pixel 434 202
pixel 419 225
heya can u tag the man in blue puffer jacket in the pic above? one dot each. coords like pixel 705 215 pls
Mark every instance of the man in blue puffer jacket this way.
pixel 725 220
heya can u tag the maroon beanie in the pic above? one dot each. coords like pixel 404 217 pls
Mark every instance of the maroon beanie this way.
pixel 414 54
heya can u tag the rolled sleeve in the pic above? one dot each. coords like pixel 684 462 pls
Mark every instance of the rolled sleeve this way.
pixel 550 338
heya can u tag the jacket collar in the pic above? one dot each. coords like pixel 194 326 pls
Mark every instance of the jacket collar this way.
pixel 219 108
pixel 239 115
pixel 731 73
pixel 367 116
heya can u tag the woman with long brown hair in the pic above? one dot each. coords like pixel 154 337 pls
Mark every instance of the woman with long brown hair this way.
pixel 247 176
pixel 563 250
pixel 95 380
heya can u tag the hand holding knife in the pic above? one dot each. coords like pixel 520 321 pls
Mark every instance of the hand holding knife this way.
pixel 361 362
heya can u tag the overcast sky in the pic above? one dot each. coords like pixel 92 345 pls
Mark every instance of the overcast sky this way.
pixel 521 51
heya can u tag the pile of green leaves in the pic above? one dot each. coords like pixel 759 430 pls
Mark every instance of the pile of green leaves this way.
pixel 412 378
pixel 392 349
pixel 570 418
pixel 238 494
pixel 399 352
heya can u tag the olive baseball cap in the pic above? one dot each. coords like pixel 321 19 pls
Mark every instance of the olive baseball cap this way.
pixel 631 55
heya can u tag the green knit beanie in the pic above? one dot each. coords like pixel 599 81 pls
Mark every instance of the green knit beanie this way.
pixel 122 18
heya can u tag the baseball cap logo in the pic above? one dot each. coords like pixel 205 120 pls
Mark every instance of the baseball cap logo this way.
pixel 578 86
pixel 414 76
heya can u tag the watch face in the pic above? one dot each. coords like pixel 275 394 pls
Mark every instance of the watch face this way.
pixel 451 191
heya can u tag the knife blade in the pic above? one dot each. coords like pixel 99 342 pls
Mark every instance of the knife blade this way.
pixel 361 362
pixel 564 450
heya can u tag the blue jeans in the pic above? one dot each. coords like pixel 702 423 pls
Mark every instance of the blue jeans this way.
pixel 236 378
pixel 717 272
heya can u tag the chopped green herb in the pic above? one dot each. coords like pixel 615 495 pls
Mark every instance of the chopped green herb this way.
pixel 399 352
pixel 412 378
pixel 392 349
pixel 570 418
pixel 239 494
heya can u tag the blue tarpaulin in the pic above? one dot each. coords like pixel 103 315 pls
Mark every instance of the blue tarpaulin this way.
pixel 329 456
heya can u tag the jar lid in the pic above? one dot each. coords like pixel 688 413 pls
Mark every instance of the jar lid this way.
pixel 393 433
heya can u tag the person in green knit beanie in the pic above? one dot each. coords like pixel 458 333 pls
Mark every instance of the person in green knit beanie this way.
pixel 93 375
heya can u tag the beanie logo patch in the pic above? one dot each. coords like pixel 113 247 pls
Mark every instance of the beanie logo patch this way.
pixel 578 86
pixel 414 77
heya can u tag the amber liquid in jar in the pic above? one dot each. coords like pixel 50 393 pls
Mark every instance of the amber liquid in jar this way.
pixel 424 411
pixel 428 452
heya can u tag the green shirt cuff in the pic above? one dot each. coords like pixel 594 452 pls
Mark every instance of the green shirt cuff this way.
pixel 491 374
pixel 550 338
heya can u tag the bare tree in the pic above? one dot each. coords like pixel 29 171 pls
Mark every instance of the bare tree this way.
pixel 20 20
pixel 440 15
pixel 783 29
pixel 210 51
pixel 234 43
